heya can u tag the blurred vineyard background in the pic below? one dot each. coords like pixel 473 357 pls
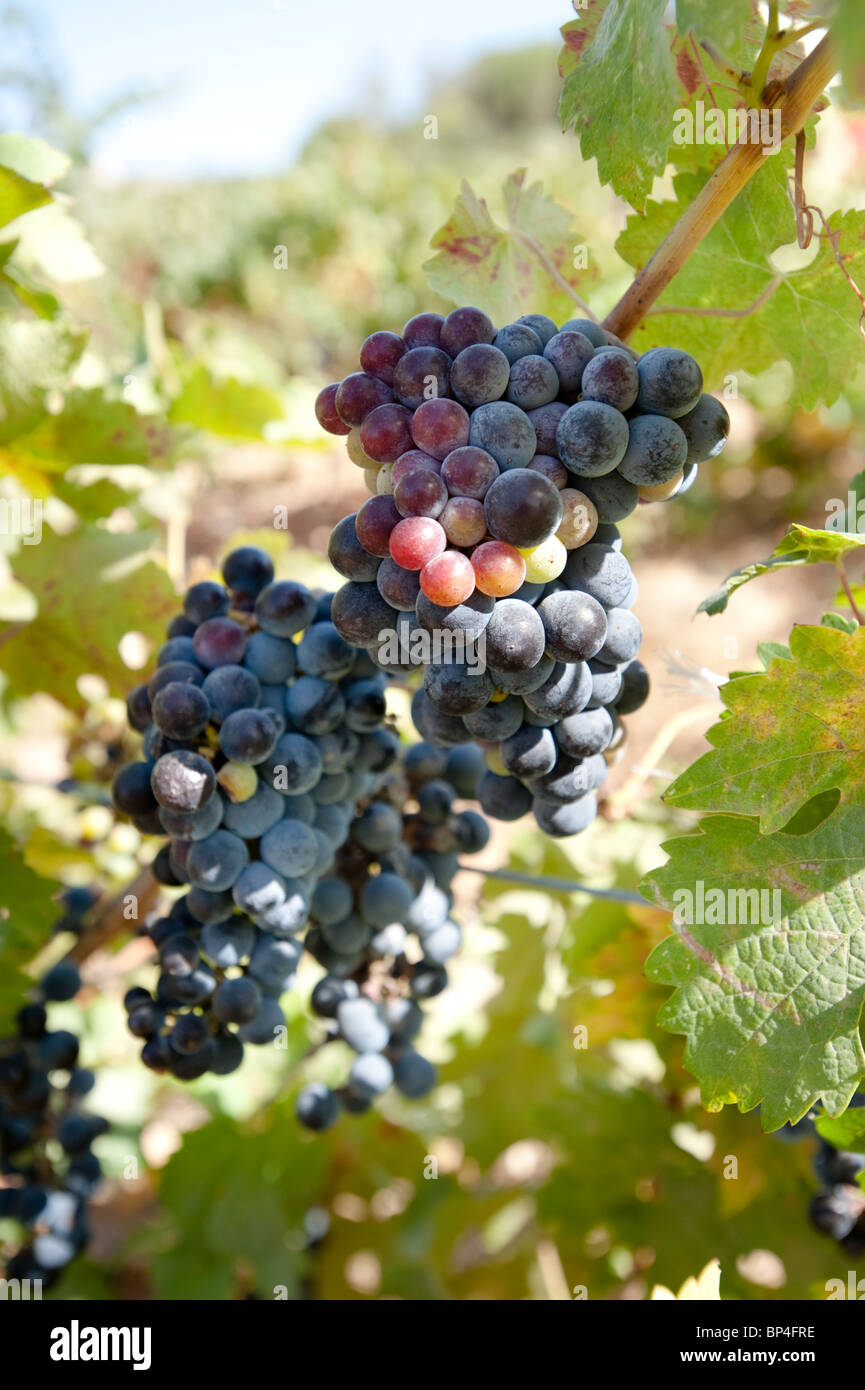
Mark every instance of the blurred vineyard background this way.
pixel 161 345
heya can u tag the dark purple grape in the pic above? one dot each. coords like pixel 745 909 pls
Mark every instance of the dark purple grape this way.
pixel 465 326
pixel 219 642
pixel 657 450
pixel 533 383
pixel 420 493
pixel 591 438
pixel 479 374
pixel 380 353
pixel 386 433
pixel 374 522
pixel 183 781
pixel 247 570
pixel 570 353
pixel 517 340
pixel 205 600
pixel 398 587
pixel 131 790
pixel 284 608
pixel 522 508
pixel 347 555
pixel 545 422
pixel 326 412
pixel 611 378
pixel 359 394
pixel 671 382
pixel 181 711
pixel 422 374
pixel 468 472
pixel 424 330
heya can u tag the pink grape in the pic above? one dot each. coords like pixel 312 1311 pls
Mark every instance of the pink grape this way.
pixel 438 427
pixel 464 521
pixel 408 462
pixel 386 433
pixel 415 541
pixel 499 568
pixel 326 413
pixel 358 394
pixel 380 353
pixel 469 472
pixel 420 493
pixel 374 523
pixel 448 579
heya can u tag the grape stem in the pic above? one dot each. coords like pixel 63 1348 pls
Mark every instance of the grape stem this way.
pixel 556 885
pixel 113 918
pixel 845 585
pixel 797 96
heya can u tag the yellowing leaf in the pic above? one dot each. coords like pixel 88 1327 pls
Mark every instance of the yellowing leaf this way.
pixel 91 587
pixel 510 270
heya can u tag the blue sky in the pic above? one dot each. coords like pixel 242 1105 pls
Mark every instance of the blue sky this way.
pixel 250 79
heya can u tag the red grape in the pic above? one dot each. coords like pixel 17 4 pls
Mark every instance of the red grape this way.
pixel 423 374
pixel 551 468
pixel 386 433
pixel 408 462
pixel 380 353
pixel 358 394
pixel 420 493
pixel 448 579
pixel 325 410
pixel 424 330
pixel 415 541
pixel 499 568
pixel 465 326
pixel 464 521
pixel 468 472
pixel 374 523
pixel 438 427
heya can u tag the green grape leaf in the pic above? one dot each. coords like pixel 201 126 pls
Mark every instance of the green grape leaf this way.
pixel 721 21
pixel 809 318
pixel 802 545
pixel 621 93
pixel 27 915
pixel 19 195
pixel 770 1000
pixel 845 1131
pixel 33 158
pixel 793 731
pixel 88 430
pixel 230 408
pixel 507 271
pixel 91 587
pixel 849 35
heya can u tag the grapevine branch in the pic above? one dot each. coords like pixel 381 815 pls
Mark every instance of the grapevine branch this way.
pixel 113 919
pixel 796 97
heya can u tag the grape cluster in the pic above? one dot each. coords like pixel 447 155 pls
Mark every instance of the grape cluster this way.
pixel 500 463
pixel 382 928
pixel 262 729
pixel 48 1168
pixel 838 1209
